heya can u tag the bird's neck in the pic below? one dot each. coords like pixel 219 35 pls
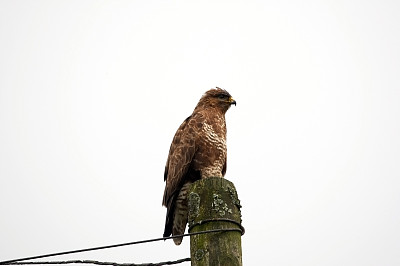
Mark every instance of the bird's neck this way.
pixel 213 109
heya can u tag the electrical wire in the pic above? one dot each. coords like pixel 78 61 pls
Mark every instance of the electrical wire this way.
pixel 8 262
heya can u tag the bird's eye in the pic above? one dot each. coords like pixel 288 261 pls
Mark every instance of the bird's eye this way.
pixel 221 96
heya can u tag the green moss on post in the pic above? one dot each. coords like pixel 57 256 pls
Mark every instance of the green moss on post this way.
pixel 214 204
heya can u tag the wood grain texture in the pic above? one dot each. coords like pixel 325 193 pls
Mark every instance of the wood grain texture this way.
pixel 213 204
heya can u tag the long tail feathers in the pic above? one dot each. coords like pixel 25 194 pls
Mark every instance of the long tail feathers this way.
pixel 177 215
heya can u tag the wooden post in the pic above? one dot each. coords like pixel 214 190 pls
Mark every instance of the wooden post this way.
pixel 214 204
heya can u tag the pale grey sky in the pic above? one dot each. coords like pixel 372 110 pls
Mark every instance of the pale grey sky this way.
pixel 92 92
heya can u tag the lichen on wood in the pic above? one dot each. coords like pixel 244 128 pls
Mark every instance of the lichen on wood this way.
pixel 214 204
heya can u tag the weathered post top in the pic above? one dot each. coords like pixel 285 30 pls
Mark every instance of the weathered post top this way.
pixel 214 204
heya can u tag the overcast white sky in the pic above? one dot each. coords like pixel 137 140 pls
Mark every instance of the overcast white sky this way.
pixel 92 92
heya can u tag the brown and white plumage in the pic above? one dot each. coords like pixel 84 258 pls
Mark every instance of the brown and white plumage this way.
pixel 198 150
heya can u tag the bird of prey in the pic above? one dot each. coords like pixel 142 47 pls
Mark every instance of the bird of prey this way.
pixel 198 150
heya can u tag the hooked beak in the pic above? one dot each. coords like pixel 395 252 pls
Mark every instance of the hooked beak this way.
pixel 232 101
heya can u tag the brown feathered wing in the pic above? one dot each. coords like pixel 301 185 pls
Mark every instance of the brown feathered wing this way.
pixel 178 176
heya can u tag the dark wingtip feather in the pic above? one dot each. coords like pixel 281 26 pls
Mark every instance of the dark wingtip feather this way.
pixel 169 217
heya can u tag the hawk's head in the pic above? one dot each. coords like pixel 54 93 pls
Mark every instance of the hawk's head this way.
pixel 217 98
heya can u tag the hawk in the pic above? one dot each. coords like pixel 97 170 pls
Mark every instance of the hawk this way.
pixel 198 150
